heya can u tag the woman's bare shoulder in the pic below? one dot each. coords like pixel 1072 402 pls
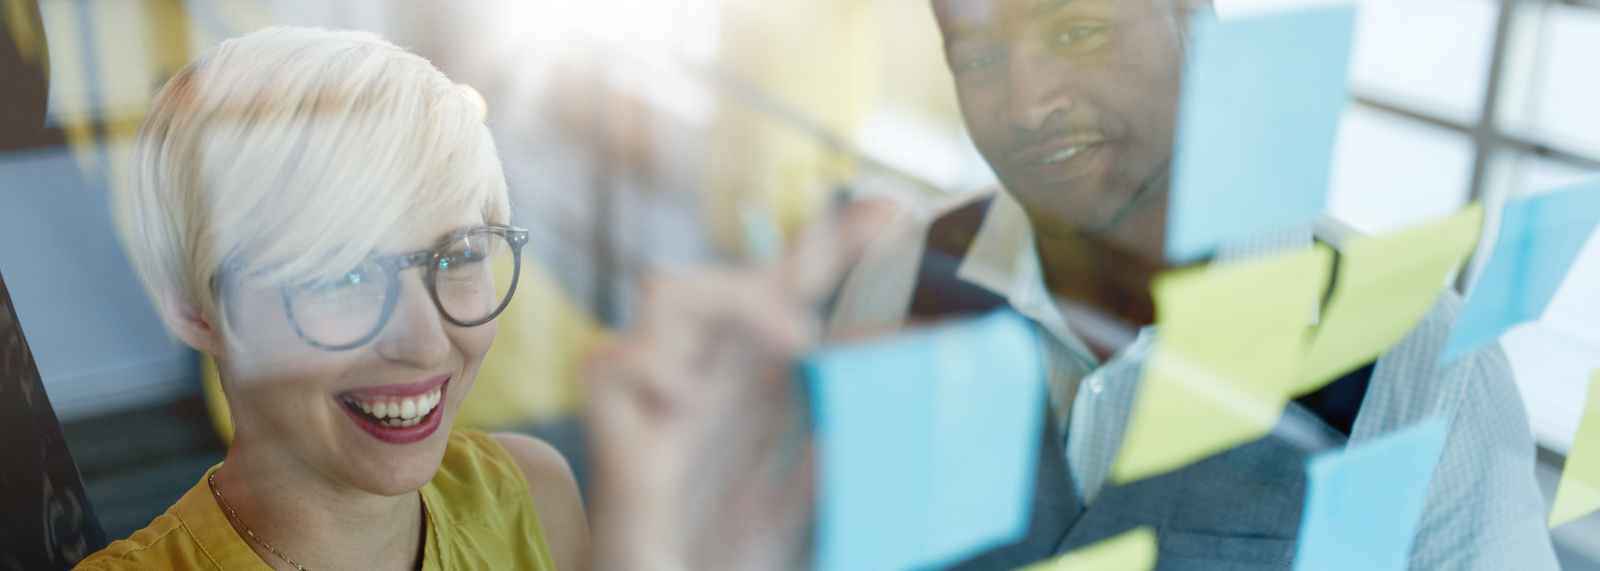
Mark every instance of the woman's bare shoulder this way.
pixel 555 496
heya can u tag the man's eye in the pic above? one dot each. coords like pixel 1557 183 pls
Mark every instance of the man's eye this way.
pixel 980 62
pixel 1079 37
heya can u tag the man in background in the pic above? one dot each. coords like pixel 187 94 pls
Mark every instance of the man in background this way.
pixel 1073 103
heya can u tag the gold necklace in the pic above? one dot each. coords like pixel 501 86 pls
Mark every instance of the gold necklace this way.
pixel 212 480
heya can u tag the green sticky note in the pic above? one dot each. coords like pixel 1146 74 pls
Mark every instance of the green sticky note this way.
pixel 1228 345
pixel 1579 492
pixel 1132 551
pixel 1385 286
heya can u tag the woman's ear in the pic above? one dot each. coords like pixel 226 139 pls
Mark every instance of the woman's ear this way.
pixel 190 324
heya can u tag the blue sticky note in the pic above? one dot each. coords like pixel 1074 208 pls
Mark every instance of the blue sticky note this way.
pixel 1363 503
pixel 1540 237
pixel 1257 120
pixel 927 443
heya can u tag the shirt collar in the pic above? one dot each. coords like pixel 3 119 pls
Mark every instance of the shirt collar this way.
pixel 1004 259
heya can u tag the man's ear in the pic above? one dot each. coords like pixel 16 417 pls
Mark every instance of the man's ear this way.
pixel 190 324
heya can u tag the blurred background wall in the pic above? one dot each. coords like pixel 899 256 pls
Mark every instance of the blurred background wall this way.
pixel 645 134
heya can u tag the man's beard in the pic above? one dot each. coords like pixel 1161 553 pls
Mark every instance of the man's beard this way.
pixel 1148 190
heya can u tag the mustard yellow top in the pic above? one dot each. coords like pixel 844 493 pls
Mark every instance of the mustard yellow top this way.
pixel 480 516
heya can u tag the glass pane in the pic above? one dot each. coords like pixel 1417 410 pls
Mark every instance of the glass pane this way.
pixel 1429 55
pixel 1552 371
pixel 101 66
pixel 1553 357
pixel 1538 174
pixel 1565 111
pixel 1390 172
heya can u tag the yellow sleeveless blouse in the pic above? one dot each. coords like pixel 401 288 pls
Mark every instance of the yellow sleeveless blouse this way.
pixel 480 516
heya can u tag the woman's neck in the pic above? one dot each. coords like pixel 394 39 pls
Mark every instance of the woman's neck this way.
pixel 316 521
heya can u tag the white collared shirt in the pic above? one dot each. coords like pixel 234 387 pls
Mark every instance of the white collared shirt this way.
pixel 1484 508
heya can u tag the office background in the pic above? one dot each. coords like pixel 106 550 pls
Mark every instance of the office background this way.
pixel 641 134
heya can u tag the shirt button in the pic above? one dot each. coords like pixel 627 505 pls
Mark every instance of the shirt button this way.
pixel 1095 385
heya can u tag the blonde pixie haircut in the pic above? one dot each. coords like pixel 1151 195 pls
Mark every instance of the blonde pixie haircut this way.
pixel 294 151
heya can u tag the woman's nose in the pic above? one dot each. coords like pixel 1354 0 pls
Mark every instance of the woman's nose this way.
pixel 415 333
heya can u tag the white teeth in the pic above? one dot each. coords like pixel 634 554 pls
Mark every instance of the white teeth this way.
pixel 1061 156
pixel 395 414
pixel 427 403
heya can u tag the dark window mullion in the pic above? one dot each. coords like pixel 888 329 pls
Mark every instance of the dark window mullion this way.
pixel 1484 134
pixel 1415 114
pixel 1587 162
pixel 1497 139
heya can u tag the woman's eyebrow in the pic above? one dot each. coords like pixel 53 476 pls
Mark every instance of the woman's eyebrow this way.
pixel 459 231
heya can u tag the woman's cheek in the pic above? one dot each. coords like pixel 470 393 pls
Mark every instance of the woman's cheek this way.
pixel 476 341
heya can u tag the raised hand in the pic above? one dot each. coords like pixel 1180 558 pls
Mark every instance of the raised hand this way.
pixel 700 443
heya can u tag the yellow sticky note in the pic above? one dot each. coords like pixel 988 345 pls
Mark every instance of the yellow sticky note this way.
pixel 1579 492
pixel 1385 286
pixel 1132 551
pixel 1228 344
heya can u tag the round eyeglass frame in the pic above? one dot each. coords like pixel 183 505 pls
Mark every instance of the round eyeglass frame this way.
pixel 393 265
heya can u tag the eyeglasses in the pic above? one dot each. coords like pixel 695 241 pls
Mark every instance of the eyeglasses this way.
pixel 471 276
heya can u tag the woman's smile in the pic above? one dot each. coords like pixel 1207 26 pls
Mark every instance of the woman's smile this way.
pixel 399 413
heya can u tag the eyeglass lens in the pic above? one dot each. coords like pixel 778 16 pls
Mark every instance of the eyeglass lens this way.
pixel 472 278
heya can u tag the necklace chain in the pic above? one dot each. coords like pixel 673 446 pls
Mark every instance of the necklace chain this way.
pixel 212 480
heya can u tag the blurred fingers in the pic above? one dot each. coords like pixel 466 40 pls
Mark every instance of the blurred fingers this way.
pixel 827 250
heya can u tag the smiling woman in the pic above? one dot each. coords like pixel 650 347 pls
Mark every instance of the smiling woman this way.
pixel 322 212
